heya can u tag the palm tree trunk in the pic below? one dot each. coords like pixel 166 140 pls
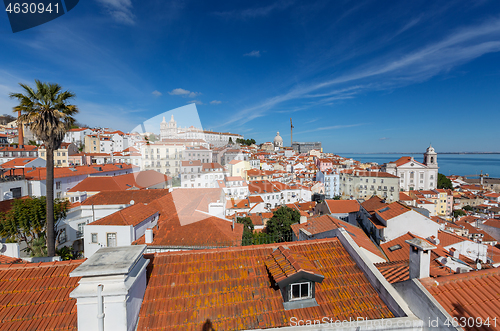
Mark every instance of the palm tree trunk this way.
pixel 49 181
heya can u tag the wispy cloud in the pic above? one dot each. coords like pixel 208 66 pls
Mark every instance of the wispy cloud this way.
pixel 384 138
pixel 215 102
pixel 391 71
pixel 120 10
pixel 253 54
pixel 184 93
pixel 333 127
pixel 256 11
pixel 196 102
pixel 156 93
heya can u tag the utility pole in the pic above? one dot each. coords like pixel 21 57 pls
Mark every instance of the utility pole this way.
pixel 291 133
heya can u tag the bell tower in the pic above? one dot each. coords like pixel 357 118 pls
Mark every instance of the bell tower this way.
pixel 430 157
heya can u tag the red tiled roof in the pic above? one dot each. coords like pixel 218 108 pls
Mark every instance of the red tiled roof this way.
pixel 472 294
pixel 232 288
pixel 132 215
pixel 373 204
pixel 326 223
pixel 17 162
pixel 7 259
pixel 405 159
pixel 35 296
pixel 184 222
pixel 447 238
pixel 261 186
pixel 124 197
pixel 392 210
pixel 404 197
pixel 40 173
pixel 283 263
pixel 342 206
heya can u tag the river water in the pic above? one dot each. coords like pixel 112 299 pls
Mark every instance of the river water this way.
pixel 449 164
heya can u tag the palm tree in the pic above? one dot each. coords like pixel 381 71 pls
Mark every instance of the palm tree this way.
pixel 46 112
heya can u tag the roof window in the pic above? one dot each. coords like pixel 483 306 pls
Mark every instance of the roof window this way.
pixel 395 247
pixel 295 276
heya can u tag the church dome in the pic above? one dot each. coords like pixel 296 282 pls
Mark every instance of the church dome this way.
pixel 278 139
pixel 430 149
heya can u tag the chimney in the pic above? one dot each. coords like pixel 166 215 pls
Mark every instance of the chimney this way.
pixel 420 257
pixel 454 253
pixel 433 240
pixel 303 218
pixel 112 285
pixel 148 236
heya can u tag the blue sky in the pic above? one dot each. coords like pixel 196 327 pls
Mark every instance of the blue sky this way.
pixel 360 76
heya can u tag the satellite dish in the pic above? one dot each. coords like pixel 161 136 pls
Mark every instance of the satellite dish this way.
pixel 7 195
pixel 478 266
pixel 3 248
pixel 131 202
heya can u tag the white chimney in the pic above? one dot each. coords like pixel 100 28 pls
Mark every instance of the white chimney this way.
pixel 454 253
pixel 303 219
pixel 148 236
pixel 111 288
pixel 420 258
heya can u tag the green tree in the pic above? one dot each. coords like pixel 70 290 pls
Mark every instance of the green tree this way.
pixel 230 140
pixel 247 230
pixel 46 111
pixel 27 221
pixel 152 137
pixel 457 213
pixel 444 182
pixel 279 226
pixel 336 197
pixel 468 208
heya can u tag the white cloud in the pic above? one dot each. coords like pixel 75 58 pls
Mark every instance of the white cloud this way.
pixel 392 71
pixel 384 138
pixel 120 10
pixel 184 93
pixel 256 12
pixel 156 93
pixel 253 54
pixel 215 102
pixel 196 102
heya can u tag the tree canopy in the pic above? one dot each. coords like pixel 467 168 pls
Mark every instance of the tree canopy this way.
pixel 46 111
pixel 26 220
pixel 247 230
pixel 246 142
pixel 444 182
pixel 279 226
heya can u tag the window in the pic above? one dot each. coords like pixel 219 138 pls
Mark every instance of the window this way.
pixel 111 239
pixel 79 233
pixel 62 236
pixel 94 238
pixel 300 291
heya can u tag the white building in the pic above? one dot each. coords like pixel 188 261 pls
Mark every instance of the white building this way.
pixel 331 182
pixel 413 174
pixel 195 174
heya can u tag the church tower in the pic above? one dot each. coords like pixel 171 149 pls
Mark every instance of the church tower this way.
pixel 430 157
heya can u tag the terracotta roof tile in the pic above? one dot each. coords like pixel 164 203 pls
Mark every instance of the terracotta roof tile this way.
pixel 132 215
pixel 233 289
pixel 473 294
pixel 124 197
pixel 35 296
pixel 392 210
pixel 283 263
pixel 342 206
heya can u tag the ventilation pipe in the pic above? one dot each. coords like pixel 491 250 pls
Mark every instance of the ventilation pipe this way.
pixel 148 236
pixel 100 307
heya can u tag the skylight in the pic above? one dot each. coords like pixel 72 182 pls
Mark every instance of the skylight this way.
pixel 395 247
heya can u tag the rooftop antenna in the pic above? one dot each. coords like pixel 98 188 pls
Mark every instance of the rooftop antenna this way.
pixel 291 133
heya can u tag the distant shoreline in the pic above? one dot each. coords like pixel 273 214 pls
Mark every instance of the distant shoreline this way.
pixel 456 153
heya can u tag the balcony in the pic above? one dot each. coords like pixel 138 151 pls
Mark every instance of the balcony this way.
pixel 79 234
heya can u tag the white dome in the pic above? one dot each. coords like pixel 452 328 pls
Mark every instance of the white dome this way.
pixel 430 149
pixel 278 138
